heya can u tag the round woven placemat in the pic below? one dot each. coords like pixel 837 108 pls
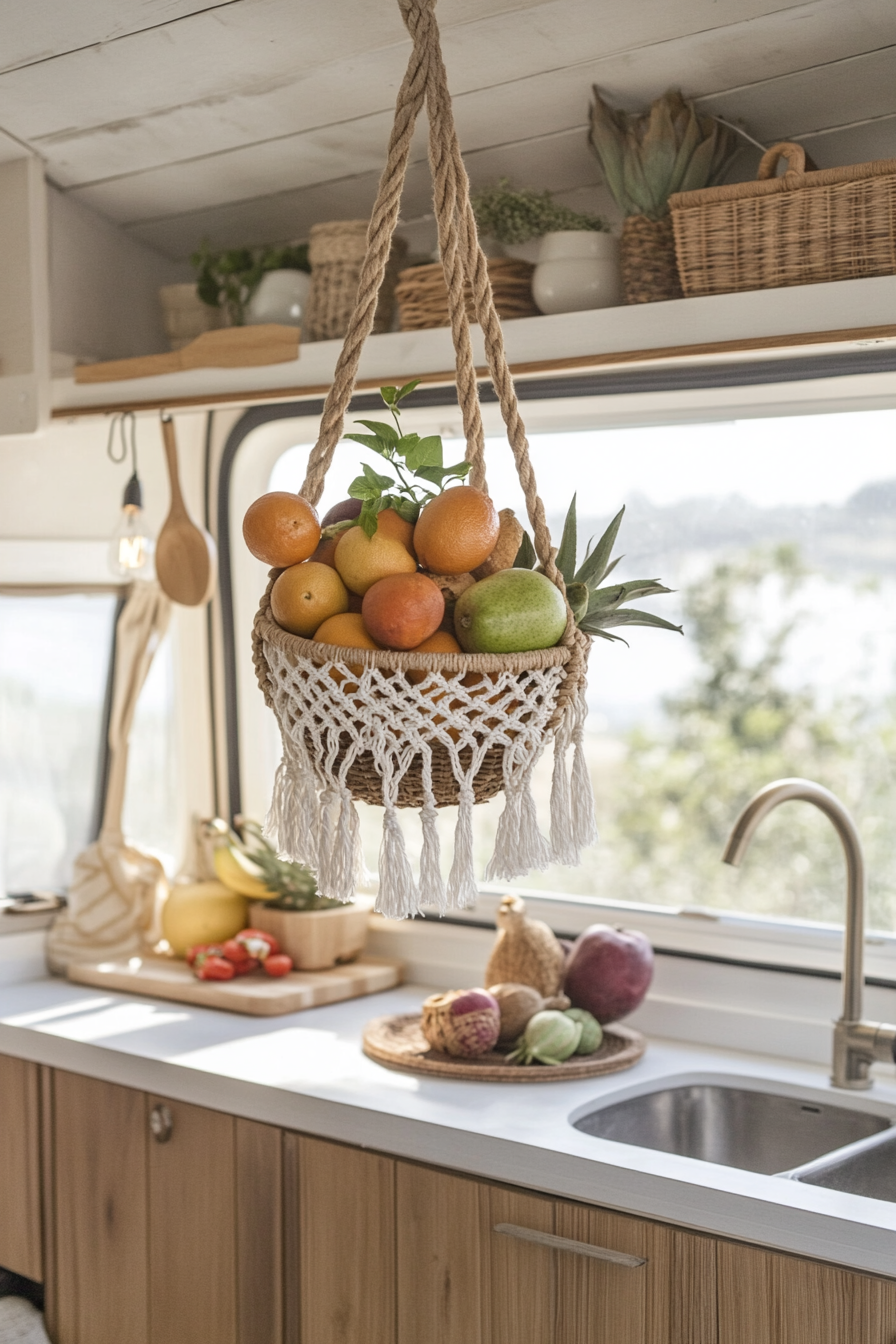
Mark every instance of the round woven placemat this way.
pixel 399 1043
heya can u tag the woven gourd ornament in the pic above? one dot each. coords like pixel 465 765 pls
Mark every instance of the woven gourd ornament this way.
pixel 354 726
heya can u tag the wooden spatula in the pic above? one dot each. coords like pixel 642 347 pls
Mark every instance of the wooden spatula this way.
pixel 186 559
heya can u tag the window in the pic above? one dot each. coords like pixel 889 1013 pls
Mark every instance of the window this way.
pixel 54 666
pixel 779 537
pixel 55 653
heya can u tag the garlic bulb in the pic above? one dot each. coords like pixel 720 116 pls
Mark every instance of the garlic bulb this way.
pixel 526 952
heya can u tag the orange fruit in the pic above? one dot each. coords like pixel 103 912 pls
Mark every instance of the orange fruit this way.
pixel 440 642
pixel 363 560
pixel 305 595
pixel 456 531
pixel 281 529
pixel 401 610
pixel 348 631
pixel 391 524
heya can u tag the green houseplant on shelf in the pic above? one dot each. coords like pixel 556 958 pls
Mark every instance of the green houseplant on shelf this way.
pixel 577 255
pixel 232 279
pixel 315 931
pixel 645 157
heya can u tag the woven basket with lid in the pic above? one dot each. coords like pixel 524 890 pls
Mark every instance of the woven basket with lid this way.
pixel 798 229
pixel 353 724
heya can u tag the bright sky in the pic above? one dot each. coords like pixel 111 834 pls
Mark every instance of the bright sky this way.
pixel 821 459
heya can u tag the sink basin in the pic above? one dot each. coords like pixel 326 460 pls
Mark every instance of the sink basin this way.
pixel 735 1126
pixel 866 1169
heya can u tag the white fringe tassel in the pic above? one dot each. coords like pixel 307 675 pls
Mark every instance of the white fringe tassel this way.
pixel 293 820
pixel 432 886
pixel 584 824
pixel 397 898
pixel 462 888
pixel 519 845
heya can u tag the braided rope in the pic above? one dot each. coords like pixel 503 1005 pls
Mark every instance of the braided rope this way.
pixel 462 261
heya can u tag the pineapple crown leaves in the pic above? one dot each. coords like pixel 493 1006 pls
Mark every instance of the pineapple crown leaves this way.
pixel 294 885
pixel 597 608
pixel 417 463
pixel 646 157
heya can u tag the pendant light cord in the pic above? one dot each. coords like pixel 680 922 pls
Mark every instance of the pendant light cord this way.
pixel 127 420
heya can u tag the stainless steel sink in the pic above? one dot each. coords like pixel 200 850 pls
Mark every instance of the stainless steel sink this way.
pixel 734 1126
pixel 867 1169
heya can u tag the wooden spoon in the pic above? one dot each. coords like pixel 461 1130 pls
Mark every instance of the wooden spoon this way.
pixel 186 558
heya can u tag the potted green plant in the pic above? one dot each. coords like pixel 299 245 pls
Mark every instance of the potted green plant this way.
pixel 316 932
pixel 646 157
pixel 267 284
pixel 577 256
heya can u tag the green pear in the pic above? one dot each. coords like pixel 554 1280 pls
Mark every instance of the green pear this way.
pixel 513 611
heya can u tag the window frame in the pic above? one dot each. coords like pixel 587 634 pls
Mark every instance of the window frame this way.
pixel 707 390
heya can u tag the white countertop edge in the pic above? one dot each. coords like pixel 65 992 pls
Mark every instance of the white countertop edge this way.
pixel 847 1230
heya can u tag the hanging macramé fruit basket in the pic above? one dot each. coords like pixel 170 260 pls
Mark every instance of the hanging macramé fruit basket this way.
pixel 358 726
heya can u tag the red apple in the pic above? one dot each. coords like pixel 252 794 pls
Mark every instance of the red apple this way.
pixel 341 512
pixel 609 971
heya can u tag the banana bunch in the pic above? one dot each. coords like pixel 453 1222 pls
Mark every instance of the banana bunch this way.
pixel 246 863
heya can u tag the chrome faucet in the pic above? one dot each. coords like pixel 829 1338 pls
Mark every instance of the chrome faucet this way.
pixel 856 1043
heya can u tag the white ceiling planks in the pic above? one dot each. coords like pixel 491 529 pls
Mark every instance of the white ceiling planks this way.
pixel 250 120
pixel 40 32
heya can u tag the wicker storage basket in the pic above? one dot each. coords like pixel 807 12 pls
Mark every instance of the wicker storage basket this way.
pixel 799 229
pixel 354 724
pixel 422 296
pixel 336 252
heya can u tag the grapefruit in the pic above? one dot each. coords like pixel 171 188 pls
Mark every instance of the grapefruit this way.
pixel 305 595
pixel 402 610
pixel 362 561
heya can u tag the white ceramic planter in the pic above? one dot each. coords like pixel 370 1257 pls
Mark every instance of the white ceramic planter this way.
pixel 577 270
pixel 281 296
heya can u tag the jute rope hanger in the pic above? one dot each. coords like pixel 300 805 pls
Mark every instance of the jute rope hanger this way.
pixel 462 260
pixel 365 730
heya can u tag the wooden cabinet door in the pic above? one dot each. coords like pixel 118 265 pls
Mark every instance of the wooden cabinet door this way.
pixel 345 1245
pixel 100 1288
pixel 765 1298
pixel 439 1221
pixel 670 1299
pixel 192 1226
pixel 20 1197
pixel 519 1282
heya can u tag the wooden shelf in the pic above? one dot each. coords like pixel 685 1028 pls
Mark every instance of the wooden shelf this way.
pixel 781 322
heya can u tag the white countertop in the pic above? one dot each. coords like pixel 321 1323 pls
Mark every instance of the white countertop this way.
pixel 306 1072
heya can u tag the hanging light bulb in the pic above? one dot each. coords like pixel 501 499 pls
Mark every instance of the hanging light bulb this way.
pixel 131 547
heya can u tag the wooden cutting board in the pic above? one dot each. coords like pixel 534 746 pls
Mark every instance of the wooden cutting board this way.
pixel 257 994
pixel 229 348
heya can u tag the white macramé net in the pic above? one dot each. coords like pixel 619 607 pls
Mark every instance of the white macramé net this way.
pixel 313 820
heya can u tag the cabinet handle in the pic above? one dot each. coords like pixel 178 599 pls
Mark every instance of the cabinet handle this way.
pixel 161 1123
pixel 565 1244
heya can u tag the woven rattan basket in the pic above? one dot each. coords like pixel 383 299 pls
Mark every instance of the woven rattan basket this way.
pixel 336 252
pixel 355 725
pixel 799 229
pixel 422 296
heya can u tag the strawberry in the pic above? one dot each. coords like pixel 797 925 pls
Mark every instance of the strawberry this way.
pixel 203 949
pixel 209 966
pixel 256 943
pixel 277 964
